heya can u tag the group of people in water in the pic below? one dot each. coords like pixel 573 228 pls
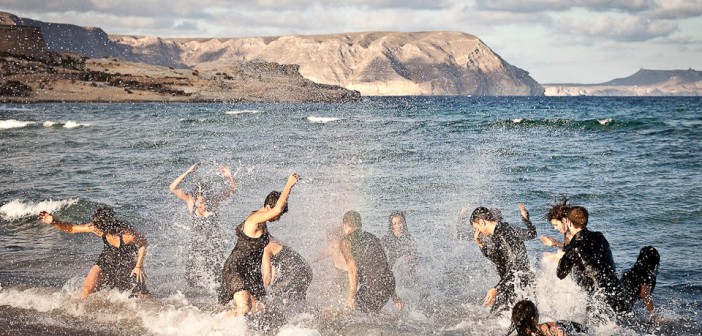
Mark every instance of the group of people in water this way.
pixel 260 265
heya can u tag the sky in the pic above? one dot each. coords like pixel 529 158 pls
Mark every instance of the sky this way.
pixel 557 41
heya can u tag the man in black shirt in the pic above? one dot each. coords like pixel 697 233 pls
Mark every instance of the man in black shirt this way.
pixel 589 258
pixel 371 282
pixel 505 248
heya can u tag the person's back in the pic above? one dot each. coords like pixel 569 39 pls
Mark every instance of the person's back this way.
pixel 373 269
pixel 507 250
pixel 589 255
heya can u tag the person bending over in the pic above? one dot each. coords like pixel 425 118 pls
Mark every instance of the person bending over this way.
pixel 640 281
pixel 371 282
pixel 292 275
pixel 507 251
pixel 122 256
pixel 241 278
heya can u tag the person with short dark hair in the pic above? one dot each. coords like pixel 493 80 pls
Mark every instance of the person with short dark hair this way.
pixel 371 282
pixel 640 281
pixel 554 216
pixel 506 249
pixel 399 244
pixel 241 278
pixel 205 250
pixel 121 263
pixel 589 257
pixel 286 272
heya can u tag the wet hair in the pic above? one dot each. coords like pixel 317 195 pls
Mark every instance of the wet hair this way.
pixel 648 259
pixel 272 199
pixel 578 216
pixel 399 214
pixel 525 317
pixel 558 211
pixel 482 213
pixel 105 219
pixel 202 188
pixel 352 218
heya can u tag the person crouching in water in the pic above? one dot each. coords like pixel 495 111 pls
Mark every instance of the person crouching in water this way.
pixel 122 256
pixel 241 278
pixel 640 281
pixel 507 251
pixel 525 321
pixel 371 282
pixel 589 257
pixel 292 275
pixel 400 245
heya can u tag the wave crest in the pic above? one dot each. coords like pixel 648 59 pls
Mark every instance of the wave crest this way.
pixel 16 209
pixel 13 123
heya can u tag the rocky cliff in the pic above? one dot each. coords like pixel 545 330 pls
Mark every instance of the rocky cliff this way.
pixel 643 83
pixel 375 63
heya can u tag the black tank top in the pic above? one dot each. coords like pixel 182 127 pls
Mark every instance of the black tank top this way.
pixel 250 250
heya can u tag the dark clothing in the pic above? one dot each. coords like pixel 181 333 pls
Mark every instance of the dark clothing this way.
pixel 589 257
pixel 293 275
pixel 242 270
pixel 376 283
pixel 632 280
pixel 117 263
pixel 402 247
pixel 205 250
pixel 506 249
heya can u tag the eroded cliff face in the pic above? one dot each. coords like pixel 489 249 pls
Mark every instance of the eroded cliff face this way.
pixel 376 63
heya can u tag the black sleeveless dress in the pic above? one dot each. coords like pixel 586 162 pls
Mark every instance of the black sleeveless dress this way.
pixel 242 270
pixel 116 263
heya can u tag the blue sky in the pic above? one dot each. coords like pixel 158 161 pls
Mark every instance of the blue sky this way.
pixel 557 41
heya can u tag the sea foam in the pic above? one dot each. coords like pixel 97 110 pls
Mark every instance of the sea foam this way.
pixel 17 209
pixel 237 112
pixel 321 120
pixel 605 121
pixel 12 123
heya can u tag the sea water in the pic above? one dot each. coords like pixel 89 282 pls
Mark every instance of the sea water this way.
pixel 634 163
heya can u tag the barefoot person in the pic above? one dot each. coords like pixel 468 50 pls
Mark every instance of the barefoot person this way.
pixel 507 251
pixel 205 246
pixel 371 282
pixel 241 278
pixel 640 281
pixel 122 256
pixel 286 272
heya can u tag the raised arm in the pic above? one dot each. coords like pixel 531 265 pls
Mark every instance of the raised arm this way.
pixel 48 218
pixel 133 236
pixel 530 232
pixel 264 216
pixel 227 173
pixel 647 300
pixel 174 185
pixel 345 246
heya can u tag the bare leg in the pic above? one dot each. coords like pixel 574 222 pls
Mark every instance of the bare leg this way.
pixel 242 301
pixel 91 281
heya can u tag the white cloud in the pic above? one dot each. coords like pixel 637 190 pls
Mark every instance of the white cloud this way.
pixel 622 29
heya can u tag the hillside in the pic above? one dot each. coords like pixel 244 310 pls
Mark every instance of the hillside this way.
pixel 642 83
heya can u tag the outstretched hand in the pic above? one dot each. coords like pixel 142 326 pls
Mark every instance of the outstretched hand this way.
pixel 523 210
pixel 490 297
pixel 399 304
pixel 194 167
pixel 351 303
pixel 46 217
pixel 139 274
pixel 225 171
pixel 293 179
pixel 549 241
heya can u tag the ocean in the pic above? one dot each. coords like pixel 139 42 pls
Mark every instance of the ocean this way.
pixel 634 163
